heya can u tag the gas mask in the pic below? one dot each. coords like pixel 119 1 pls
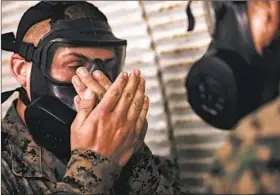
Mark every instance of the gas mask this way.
pixel 232 79
pixel 51 110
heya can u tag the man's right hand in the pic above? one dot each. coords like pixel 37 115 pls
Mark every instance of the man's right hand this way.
pixel 109 129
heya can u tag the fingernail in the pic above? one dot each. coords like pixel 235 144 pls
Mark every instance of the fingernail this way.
pixel 76 81
pixel 88 94
pixel 124 74
pixel 143 81
pixel 82 71
pixel 97 74
pixel 146 99
pixel 137 72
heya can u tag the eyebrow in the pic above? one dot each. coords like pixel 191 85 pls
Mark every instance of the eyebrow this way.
pixel 78 56
pixel 81 56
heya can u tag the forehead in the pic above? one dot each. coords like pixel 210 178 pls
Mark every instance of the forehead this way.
pixel 89 52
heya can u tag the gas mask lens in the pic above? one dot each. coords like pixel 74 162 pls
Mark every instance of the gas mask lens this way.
pixel 66 59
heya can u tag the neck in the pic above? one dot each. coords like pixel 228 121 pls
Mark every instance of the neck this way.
pixel 20 109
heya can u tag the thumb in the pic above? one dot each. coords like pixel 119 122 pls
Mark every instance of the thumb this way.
pixel 85 106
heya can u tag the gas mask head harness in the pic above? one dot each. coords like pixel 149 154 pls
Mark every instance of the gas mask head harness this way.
pixel 232 79
pixel 69 44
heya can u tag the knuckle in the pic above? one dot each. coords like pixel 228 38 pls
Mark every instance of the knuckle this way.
pixel 127 94
pixel 101 113
pixel 101 95
pixel 87 80
pixel 141 120
pixel 84 107
pixel 94 116
pixel 137 104
pixel 107 85
pixel 141 88
pixel 115 93
pixel 122 133
pixel 146 109
pixel 119 120
pixel 120 117
pixel 131 126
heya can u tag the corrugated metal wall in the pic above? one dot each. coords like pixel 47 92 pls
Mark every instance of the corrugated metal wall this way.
pixel 176 50
pixel 160 47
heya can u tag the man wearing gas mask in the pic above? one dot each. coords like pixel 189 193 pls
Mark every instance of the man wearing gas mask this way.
pixel 237 81
pixel 71 132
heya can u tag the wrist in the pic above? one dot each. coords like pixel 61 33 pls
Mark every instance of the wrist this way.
pixel 89 170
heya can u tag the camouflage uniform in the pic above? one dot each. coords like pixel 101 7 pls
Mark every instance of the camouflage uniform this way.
pixel 249 163
pixel 30 169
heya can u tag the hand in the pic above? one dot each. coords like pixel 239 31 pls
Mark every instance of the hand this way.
pixel 110 128
pixel 99 83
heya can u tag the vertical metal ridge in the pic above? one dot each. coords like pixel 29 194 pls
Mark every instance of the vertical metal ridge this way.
pixel 166 109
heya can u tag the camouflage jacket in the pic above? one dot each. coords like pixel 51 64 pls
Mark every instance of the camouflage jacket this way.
pixel 27 168
pixel 249 163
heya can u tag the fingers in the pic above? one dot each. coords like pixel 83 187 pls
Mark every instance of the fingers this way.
pixel 88 80
pixel 85 106
pixel 143 131
pixel 141 124
pixel 77 100
pixel 102 79
pixel 137 102
pixel 78 85
pixel 112 96
pixel 128 93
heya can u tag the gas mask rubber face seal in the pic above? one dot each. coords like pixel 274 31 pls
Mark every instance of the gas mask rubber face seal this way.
pixel 69 44
pixel 231 79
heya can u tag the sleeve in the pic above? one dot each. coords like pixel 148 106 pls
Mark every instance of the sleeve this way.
pixel 86 173
pixel 146 174
pixel 169 178
pixel 242 168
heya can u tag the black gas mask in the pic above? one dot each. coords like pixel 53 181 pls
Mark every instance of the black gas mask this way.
pixel 232 79
pixel 51 111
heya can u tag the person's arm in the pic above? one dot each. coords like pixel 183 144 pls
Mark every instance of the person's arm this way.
pixel 111 129
pixel 246 168
pixel 147 174
pixel 141 175
pixel 87 172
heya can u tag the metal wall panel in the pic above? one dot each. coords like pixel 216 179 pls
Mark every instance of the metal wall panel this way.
pixel 176 50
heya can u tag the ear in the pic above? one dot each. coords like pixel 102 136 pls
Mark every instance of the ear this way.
pixel 272 20
pixel 19 68
pixel 264 19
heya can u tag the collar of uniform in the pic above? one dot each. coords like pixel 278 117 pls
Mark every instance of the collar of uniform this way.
pixel 264 122
pixel 26 154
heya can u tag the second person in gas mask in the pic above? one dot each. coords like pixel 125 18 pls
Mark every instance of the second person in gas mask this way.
pixel 235 85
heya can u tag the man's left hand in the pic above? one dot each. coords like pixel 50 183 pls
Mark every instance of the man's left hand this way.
pixel 99 83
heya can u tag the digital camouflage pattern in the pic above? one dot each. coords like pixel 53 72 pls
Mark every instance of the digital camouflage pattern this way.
pixel 30 169
pixel 249 163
